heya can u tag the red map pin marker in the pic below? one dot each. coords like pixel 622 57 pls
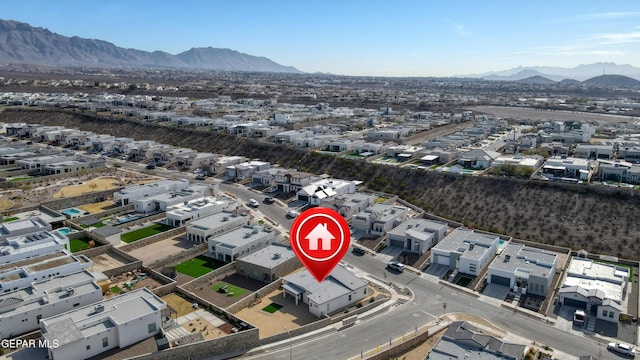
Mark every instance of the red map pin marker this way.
pixel 320 237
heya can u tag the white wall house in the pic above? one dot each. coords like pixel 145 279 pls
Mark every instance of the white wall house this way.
pixel 348 205
pixel 20 274
pixel 160 202
pixel 113 323
pixel 322 190
pixel 338 290
pixel 417 235
pixel 31 245
pixel 590 285
pixel 37 163
pixel 22 310
pixel 229 246
pixel 523 269
pixel 71 166
pixel 201 230
pixel 618 171
pixel 179 214
pixel 560 168
pixel 132 193
pixel 379 218
pixel 22 227
pixel 465 250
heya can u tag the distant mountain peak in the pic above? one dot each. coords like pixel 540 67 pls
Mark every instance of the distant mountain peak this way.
pixel 581 72
pixel 21 43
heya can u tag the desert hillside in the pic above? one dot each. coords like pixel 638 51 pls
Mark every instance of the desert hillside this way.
pixel 602 220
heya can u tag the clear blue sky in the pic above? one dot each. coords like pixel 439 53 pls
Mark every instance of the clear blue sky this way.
pixel 361 37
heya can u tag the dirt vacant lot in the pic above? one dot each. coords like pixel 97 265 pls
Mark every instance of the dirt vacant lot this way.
pixel 161 249
pixel 106 261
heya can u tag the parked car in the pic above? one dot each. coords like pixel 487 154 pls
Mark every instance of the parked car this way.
pixel 358 250
pixel 269 200
pixel 151 166
pixel 622 349
pixel 395 266
pixel 293 214
pixel 579 317
pixel 253 202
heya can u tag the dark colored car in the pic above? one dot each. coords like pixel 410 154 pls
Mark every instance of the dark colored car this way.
pixel 358 250
pixel 269 200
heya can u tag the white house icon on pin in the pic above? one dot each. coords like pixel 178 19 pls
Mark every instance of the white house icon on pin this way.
pixel 320 234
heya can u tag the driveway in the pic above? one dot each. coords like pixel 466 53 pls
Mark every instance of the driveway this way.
pixel 496 291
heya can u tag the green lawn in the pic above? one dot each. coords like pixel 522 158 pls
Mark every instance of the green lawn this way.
pixel 116 289
pixel 80 244
pixel 21 178
pixel 236 291
pixel 144 232
pixel 198 266
pixel 13 218
pixel 271 308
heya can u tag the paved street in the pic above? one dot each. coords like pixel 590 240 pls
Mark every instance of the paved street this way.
pixel 426 306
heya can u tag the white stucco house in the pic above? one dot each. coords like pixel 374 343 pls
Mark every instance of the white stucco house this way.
pixel 338 290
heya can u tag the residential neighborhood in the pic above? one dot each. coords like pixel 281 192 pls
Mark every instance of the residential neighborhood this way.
pixel 127 246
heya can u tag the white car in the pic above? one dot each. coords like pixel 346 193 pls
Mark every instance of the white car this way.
pixel 253 202
pixel 293 214
pixel 622 349
pixel 395 266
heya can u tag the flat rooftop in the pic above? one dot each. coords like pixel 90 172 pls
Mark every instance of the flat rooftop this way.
pixel 471 244
pixel 588 269
pixel 19 227
pixel 526 260
pixel 214 220
pixel 242 236
pixel 339 282
pixel 81 323
pixel 590 275
pixel 54 289
pixel 269 256
pixel 418 228
pixel 33 260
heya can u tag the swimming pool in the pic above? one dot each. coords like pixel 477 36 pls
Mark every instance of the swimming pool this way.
pixel 65 230
pixel 128 218
pixel 72 212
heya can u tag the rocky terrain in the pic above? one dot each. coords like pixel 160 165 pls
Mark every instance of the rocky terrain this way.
pixel 598 219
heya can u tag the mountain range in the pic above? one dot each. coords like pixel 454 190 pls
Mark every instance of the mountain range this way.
pixel 21 43
pixel 580 72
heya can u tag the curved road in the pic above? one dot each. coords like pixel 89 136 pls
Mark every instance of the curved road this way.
pixel 426 306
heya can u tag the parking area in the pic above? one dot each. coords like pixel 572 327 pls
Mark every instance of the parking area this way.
pixel 161 249
pixel 624 332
